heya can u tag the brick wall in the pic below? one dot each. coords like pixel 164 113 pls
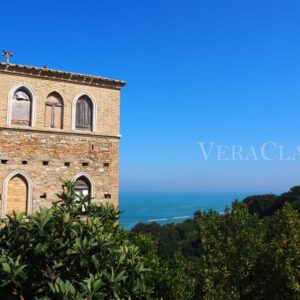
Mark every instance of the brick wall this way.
pixel 108 103
pixel 68 152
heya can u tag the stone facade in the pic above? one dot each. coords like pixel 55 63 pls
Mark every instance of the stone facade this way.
pixel 43 157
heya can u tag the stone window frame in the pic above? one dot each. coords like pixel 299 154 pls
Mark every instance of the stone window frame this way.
pixel 94 112
pixel 33 104
pixel 89 179
pixel 5 190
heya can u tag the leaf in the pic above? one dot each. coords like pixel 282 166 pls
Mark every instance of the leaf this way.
pixel 6 267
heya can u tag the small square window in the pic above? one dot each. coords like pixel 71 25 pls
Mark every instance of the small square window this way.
pixel 45 163
pixel 106 164
pixel 67 164
pixel 24 162
pixel 107 196
pixel 4 161
pixel 85 164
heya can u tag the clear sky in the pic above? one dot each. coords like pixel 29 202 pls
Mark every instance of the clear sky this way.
pixel 226 72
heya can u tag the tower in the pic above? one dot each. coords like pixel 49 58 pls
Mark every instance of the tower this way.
pixel 56 126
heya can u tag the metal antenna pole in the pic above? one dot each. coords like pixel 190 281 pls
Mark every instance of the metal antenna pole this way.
pixel 7 55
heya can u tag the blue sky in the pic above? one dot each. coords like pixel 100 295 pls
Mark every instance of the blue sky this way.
pixel 226 72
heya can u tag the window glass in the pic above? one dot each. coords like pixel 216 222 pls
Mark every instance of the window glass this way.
pixel 21 108
pixel 84 113
pixel 82 187
pixel 54 111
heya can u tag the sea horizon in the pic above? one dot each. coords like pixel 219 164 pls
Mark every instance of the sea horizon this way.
pixel 171 207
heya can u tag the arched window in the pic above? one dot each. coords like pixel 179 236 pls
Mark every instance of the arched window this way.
pixel 21 107
pixel 16 194
pixel 83 186
pixel 84 114
pixel 54 111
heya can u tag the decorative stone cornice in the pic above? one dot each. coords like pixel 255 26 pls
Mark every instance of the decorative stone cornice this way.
pixel 61 75
pixel 30 130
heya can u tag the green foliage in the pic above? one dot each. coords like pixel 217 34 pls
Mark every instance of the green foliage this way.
pixel 283 255
pixel 170 281
pixel 230 249
pixel 266 205
pixel 171 239
pixel 75 250
pixel 12 272
pixel 237 255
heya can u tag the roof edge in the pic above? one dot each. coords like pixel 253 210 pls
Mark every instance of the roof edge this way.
pixel 61 75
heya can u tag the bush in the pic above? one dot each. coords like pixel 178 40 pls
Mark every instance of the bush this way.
pixel 75 250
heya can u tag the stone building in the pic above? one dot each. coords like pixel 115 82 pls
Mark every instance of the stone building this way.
pixel 56 126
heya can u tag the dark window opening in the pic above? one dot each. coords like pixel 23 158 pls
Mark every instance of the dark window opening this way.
pixel 82 189
pixel 82 186
pixel 4 161
pixel 106 164
pixel 67 164
pixel 85 164
pixel 84 113
pixel 107 196
pixel 45 163
pixel 24 162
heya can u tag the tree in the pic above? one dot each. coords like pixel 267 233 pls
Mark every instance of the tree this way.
pixel 230 249
pixel 263 205
pixel 170 281
pixel 282 260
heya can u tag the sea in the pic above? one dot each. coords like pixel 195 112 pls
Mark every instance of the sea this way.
pixel 170 207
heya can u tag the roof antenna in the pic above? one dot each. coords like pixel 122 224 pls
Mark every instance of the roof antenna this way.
pixel 7 54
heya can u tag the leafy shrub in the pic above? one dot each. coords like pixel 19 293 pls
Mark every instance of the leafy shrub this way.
pixel 75 250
